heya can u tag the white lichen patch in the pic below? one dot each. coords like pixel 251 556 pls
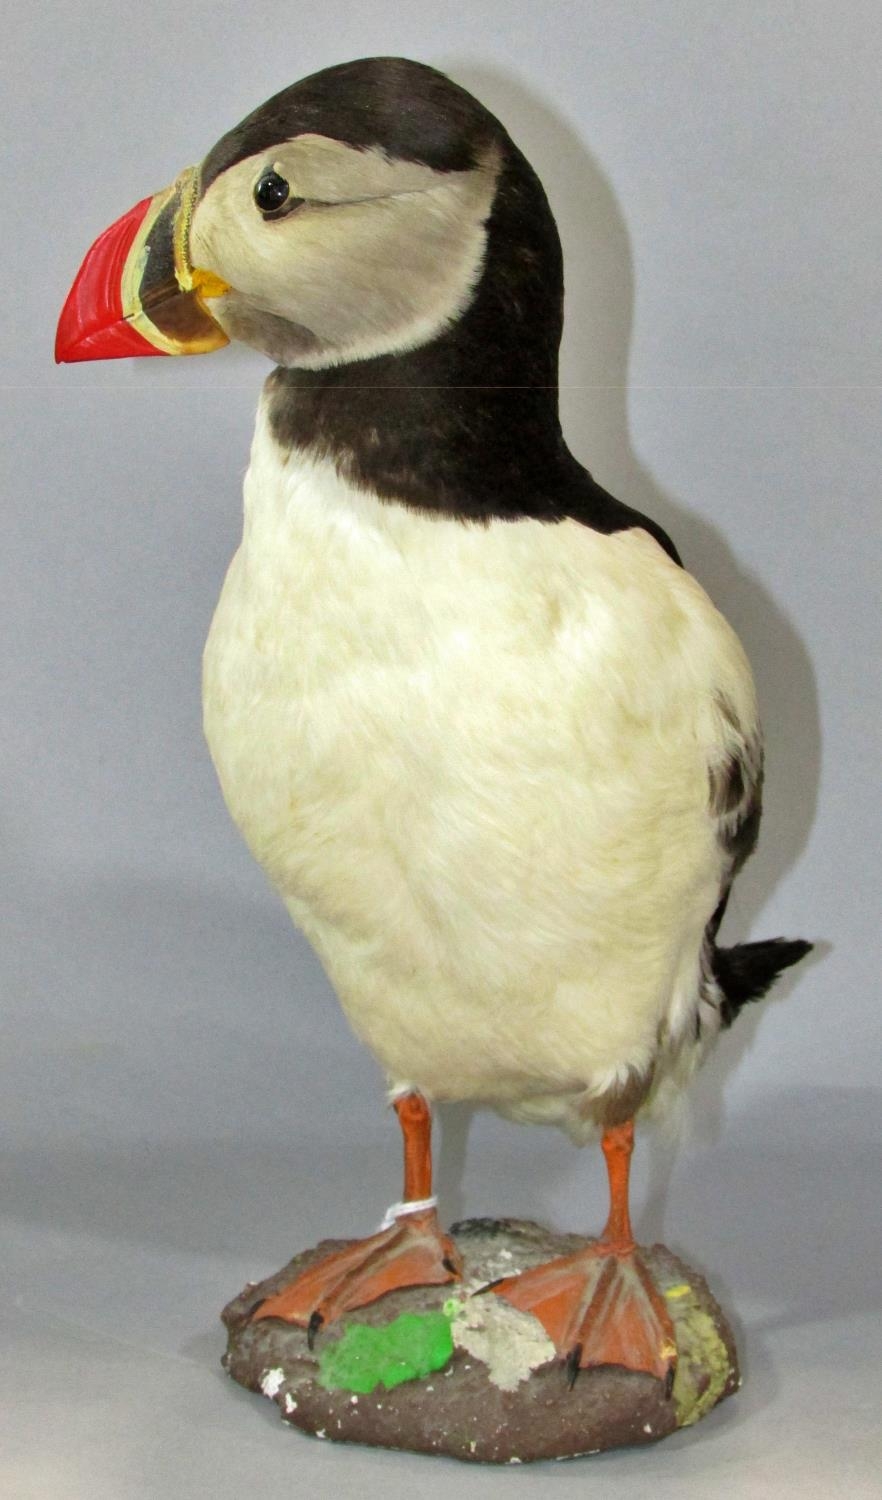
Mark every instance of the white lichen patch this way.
pixel 271 1382
pixel 512 1344
pixel 290 1403
pixel 499 1262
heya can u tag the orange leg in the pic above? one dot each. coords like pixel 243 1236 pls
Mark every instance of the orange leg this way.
pixel 411 1251
pixel 601 1306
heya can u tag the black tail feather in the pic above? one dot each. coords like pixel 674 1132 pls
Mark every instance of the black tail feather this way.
pixel 747 971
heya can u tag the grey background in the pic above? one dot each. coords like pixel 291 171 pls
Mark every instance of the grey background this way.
pixel 182 1103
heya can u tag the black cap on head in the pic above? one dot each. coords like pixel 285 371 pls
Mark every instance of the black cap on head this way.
pixel 407 109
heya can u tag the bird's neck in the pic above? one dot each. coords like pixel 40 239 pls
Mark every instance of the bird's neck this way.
pixel 474 436
pixel 466 425
pixel 471 433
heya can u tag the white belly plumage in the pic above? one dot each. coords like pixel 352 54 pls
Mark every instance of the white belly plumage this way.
pixel 474 760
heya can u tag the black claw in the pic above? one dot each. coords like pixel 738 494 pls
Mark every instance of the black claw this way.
pixel 254 1309
pixel 315 1322
pixel 448 1265
pixel 489 1286
pixel 573 1365
pixel 669 1382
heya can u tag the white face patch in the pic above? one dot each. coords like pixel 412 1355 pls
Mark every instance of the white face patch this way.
pixel 380 258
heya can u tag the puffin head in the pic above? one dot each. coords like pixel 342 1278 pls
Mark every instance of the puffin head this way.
pixel 352 216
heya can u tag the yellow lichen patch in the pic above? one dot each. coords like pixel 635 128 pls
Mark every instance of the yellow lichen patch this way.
pixel 703 1363
pixel 682 1290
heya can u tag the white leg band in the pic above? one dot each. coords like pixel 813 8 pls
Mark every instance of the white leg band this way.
pixel 401 1210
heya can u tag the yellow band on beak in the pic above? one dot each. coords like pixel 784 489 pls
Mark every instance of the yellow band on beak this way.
pixel 191 278
pixel 163 293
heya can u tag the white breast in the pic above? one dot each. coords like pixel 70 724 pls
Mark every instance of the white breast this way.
pixel 474 760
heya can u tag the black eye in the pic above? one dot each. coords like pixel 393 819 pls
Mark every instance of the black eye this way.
pixel 271 192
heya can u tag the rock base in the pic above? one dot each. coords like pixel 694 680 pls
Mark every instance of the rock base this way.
pixel 438 1370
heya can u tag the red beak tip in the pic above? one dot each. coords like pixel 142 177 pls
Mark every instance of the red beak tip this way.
pixel 93 324
pixel 64 349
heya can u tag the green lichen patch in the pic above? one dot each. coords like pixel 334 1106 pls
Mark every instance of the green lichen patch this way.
pixel 414 1345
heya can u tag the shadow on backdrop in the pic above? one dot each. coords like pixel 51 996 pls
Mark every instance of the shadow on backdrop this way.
pixel 599 313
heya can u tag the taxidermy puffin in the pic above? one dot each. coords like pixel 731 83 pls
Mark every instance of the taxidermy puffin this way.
pixel 493 745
